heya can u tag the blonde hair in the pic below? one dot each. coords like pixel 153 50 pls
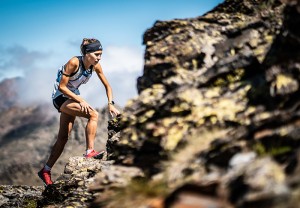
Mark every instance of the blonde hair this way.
pixel 86 41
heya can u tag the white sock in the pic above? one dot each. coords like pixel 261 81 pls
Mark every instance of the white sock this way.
pixel 88 151
pixel 47 168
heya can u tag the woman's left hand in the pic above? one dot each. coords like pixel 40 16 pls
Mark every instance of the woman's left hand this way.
pixel 113 110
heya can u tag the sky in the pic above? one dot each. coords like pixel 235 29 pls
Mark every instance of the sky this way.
pixel 39 36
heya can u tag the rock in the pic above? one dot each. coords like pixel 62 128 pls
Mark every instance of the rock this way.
pixel 234 70
pixel 19 196
pixel 115 176
pixel 241 159
pixel 72 187
pixel 193 195
pixel 261 183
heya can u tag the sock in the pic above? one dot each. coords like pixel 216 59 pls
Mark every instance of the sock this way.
pixel 88 151
pixel 47 168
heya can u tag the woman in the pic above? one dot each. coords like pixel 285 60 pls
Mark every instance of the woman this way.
pixel 67 101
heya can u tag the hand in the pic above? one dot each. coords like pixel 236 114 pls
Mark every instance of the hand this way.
pixel 85 107
pixel 113 110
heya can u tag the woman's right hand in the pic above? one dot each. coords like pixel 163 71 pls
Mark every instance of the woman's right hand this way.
pixel 85 107
pixel 113 110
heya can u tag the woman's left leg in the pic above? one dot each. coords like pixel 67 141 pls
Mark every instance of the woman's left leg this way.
pixel 66 125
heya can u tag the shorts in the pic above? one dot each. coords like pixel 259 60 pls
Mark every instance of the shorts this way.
pixel 58 101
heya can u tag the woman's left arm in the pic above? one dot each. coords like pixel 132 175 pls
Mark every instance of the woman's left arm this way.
pixel 112 109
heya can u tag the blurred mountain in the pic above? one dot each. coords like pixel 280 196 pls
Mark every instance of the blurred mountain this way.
pixel 8 93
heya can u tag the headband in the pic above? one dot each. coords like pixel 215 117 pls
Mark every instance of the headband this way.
pixel 92 47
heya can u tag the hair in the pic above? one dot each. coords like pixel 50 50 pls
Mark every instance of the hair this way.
pixel 86 41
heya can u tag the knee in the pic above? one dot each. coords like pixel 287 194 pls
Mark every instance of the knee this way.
pixel 94 115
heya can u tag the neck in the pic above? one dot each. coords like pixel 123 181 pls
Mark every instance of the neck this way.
pixel 86 63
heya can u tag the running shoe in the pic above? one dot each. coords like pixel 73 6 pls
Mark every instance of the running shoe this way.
pixel 95 154
pixel 45 176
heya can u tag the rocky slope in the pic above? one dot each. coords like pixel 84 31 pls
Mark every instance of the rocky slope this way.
pixel 216 122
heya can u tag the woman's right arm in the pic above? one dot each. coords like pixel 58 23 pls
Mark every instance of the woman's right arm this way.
pixel 69 68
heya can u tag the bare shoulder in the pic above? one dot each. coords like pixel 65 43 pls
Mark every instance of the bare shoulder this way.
pixel 73 61
pixel 72 64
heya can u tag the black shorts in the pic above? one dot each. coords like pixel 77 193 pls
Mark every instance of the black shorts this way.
pixel 58 101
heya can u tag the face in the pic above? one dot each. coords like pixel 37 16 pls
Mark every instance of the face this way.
pixel 94 57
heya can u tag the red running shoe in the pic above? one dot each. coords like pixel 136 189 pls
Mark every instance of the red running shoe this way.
pixel 45 176
pixel 95 154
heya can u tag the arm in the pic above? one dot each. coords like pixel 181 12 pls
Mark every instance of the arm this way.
pixel 70 68
pixel 108 89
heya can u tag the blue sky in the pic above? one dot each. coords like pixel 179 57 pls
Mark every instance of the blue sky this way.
pixel 38 36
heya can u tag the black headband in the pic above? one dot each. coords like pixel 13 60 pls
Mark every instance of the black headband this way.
pixel 92 47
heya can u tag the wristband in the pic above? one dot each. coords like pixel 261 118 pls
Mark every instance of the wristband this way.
pixel 111 103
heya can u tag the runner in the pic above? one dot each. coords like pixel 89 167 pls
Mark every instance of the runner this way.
pixel 67 100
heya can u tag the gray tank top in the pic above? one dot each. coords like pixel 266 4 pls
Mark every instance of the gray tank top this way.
pixel 81 76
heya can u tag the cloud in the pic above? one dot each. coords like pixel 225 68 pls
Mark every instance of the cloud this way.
pixel 19 57
pixel 18 61
pixel 122 59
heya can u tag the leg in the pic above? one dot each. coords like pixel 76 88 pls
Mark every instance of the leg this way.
pixel 73 108
pixel 90 131
pixel 66 125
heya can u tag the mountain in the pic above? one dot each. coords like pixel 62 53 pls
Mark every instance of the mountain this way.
pixel 8 93
pixel 216 122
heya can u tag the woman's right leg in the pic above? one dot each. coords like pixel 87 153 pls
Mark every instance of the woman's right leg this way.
pixel 73 108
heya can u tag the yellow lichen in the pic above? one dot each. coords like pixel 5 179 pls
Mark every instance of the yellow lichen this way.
pixel 174 135
pixel 180 108
pixel 220 82
pixel 269 38
pixel 264 115
pixel 213 92
pixel 232 51
pixel 283 81
pixel 195 64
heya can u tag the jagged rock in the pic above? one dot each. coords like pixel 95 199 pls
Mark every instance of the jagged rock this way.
pixel 259 184
pixel 81 164
pixel 202 72
pixel 71 188
pixel 234 71
pixel 113 135
pixel 82 180
pixel 19 196
pixel 194 195
pixel 115 176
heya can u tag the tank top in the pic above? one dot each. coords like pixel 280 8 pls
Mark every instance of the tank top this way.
pixel 81 76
